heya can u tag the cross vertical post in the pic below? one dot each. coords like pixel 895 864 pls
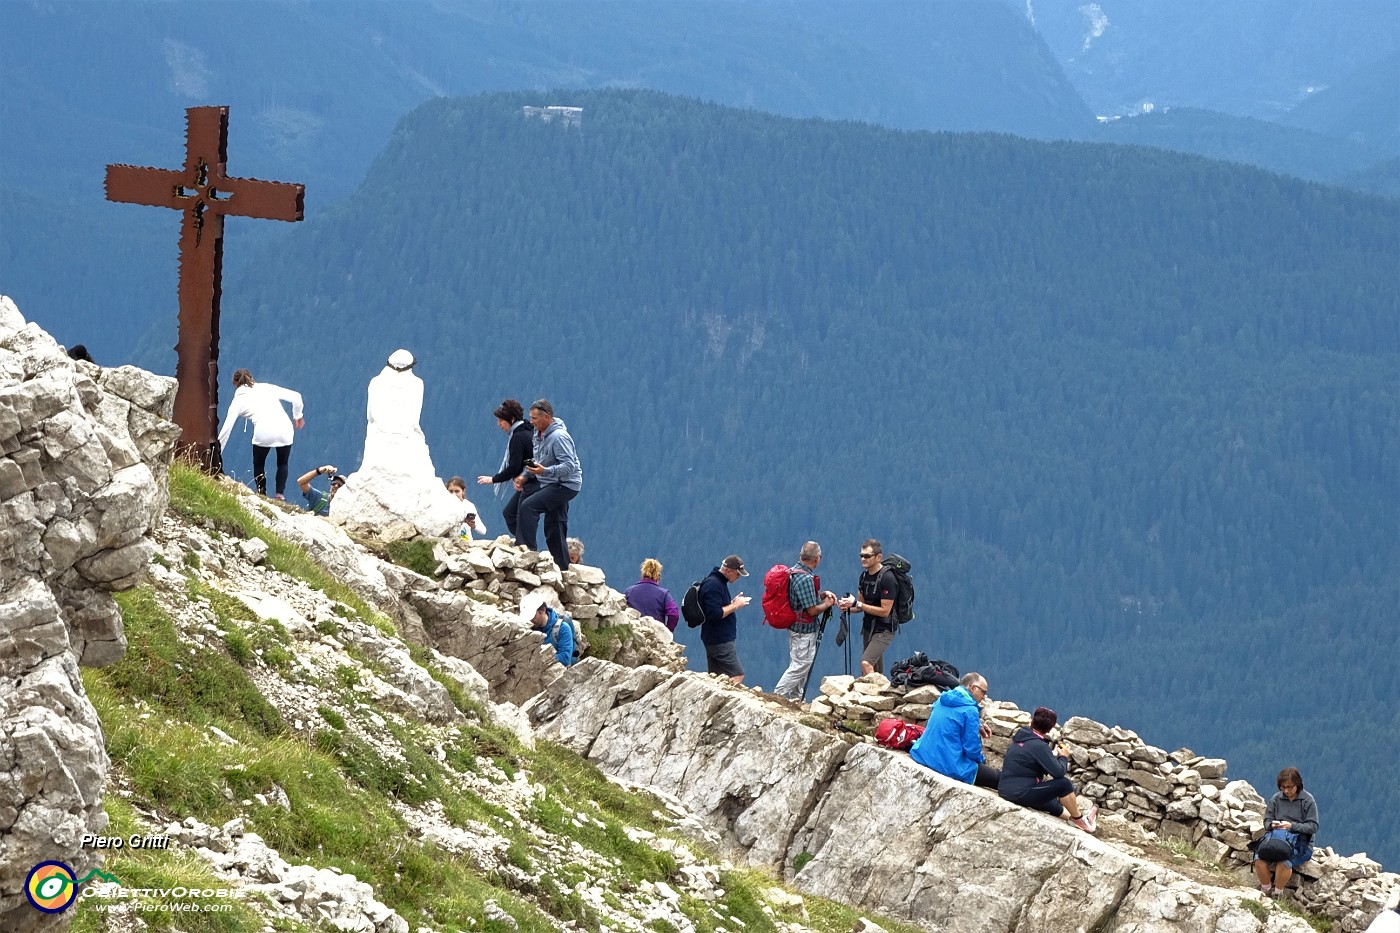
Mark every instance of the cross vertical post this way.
pixel 204 193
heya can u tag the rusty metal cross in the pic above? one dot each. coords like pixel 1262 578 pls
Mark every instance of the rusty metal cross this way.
pixel 204 192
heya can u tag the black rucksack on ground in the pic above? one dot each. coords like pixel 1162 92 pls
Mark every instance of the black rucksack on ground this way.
pixel 917 670
pixel 690 606
pixel 900 670
pixel 939 673
pixel 904 587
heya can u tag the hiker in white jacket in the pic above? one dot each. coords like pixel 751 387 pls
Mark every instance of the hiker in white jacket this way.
pixel 261 403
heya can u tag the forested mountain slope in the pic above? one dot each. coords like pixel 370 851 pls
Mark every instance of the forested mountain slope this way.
pixel 1130 414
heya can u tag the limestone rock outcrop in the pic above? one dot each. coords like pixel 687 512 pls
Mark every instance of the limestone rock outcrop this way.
pixel 872 828
pixel 500 574
pixel 1165 795
pixel 84 453
pixel 470 610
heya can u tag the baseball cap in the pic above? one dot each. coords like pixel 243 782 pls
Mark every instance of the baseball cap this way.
pixel 530 604
pixel 735 562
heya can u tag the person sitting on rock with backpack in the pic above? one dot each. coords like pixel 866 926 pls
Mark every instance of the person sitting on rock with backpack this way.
pixel 1292 815
pixel 952 740
pixel 1035 776
pixel 558 631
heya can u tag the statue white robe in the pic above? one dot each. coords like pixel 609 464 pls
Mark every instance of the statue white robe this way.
pixel 396 479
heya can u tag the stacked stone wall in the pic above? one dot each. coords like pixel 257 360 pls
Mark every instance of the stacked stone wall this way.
pixel 1176 795
pixel 500 574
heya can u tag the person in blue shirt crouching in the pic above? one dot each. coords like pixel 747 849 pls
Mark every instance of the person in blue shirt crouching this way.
pixel 558 631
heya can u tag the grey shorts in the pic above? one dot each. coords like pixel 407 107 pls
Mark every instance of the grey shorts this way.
pixel 874 653
pixel 723 658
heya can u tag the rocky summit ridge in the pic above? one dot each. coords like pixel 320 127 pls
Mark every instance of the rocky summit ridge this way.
pixel 336 741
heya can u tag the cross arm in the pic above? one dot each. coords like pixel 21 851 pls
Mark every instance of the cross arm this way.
pixel 156 187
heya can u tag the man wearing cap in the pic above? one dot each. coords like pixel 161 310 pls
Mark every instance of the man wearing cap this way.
pixel 318 502
pixel 558 633
pixel 719 632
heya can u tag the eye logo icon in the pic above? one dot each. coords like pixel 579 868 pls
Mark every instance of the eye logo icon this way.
pixel 51 887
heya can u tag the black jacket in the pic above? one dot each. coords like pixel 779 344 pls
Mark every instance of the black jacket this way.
pixel 1028 760
pixel 519 446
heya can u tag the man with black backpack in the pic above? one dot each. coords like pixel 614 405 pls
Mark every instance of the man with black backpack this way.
pixel 718 630
pixel 878 589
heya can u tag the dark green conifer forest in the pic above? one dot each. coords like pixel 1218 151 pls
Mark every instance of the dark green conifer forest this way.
pixel 1133 416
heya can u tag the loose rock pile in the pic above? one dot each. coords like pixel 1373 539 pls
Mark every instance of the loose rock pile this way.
pixel 499 573
pixel 1169 795
pixel 301 892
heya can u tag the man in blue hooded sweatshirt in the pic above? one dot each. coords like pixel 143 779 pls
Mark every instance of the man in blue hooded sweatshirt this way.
pixel 952 741
pixel 556 466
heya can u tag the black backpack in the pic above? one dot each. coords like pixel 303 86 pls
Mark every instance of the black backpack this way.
pixel 1276 846
pixel 939 673
pixel 690 605
pixel 900 671
pixel 904 588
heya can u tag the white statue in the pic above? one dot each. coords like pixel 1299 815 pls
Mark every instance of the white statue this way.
pixel 396 479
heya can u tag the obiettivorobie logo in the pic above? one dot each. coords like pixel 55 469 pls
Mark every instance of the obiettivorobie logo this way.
pixel 53 887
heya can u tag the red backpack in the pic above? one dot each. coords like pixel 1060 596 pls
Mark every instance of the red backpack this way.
pixel 777 604
pixel 897 734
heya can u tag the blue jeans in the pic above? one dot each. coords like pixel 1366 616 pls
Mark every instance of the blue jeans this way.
pixel 552 501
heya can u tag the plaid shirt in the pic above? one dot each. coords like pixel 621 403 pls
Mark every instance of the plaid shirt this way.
pixel 802 595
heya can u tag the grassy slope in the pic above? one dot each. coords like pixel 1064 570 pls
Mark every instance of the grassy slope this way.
pixel 158 704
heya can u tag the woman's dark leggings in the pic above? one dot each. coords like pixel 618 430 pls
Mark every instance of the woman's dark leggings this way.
pixel 260 468
pixel 1045 796
pixel 512 510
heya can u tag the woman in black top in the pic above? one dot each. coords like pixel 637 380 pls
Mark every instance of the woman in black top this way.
pixel 510 416
pixel 1034 776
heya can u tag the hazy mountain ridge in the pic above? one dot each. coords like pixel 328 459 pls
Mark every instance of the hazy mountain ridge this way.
pixel 315 89
pixel 1255 58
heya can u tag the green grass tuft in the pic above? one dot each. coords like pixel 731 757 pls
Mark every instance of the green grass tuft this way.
pixel 195 685
pixel 416 555
pixel 1261 912
pixel 332 717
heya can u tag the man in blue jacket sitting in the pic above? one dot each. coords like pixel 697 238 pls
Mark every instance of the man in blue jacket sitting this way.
pixel 952 741
pixel 558 631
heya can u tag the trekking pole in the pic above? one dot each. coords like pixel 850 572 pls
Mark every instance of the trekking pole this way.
pixel 821 627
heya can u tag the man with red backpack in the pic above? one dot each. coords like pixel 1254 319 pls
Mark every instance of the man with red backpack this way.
pixel 804 606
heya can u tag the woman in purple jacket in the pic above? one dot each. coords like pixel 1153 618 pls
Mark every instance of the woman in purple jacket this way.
pixel 650 598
